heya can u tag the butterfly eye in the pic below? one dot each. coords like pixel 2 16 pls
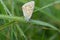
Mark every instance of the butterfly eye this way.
pixel 28 10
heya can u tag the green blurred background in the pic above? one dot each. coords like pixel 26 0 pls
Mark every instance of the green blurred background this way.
pixel 43 25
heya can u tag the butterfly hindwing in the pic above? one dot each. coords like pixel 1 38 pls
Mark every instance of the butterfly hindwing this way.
pixel 28 9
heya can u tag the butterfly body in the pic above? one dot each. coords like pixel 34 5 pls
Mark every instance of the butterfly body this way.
pixel 28 10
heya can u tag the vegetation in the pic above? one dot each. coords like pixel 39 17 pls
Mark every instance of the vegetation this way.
pixel 44 24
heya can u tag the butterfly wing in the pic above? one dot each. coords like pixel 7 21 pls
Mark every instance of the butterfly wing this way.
pixel 28 9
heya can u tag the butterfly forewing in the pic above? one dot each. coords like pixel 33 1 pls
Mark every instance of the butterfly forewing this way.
pixel 28 9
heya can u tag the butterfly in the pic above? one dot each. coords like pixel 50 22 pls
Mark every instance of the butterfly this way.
pixel 28 10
